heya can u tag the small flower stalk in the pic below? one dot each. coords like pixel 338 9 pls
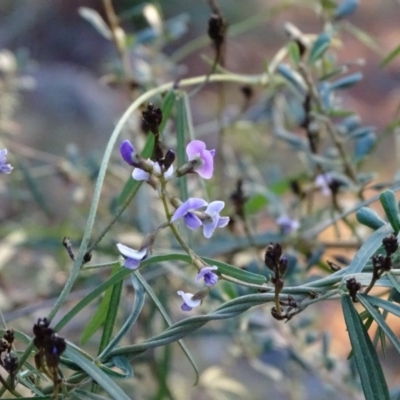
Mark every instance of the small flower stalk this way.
pixel 382 263
pixel 278 265
pixel 353 287
pixel 50 347
pixel 8 359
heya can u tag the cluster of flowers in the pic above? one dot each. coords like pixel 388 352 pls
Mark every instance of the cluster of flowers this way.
pixel 195 212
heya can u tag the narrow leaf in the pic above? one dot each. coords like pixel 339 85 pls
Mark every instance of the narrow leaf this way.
pixel 100 315
pixel 85 395
pixel 181 128
pixel 389 204
pixel 368 217
pixel 92 296
pixel 380 321
pixel 167 319
pixel 133 316
pixel 100 377
pixel 167 107
pixel 396 284
pixel 111 314
pixel 369 368
pixel 384 304
pixel 391 56
pixel 319 47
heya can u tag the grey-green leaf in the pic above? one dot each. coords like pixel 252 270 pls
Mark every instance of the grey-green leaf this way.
pixel 380 321
pixel 389 204
pixel 319 47
pixel 100 377
pixel 368 366
pixel 368 217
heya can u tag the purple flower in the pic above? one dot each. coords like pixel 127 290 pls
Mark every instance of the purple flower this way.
pixel 287 224
pixel 196 150
pixel 133 257
pixel 4 167
pixel 185 210
pixel 323 181
pixel 188 302
pixel 210 279
pixel 127 150
pixel 214 220
pixel 141 175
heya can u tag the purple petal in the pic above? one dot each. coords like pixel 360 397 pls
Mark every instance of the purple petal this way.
pixel 209 227
pixel 185 307
pixel 214 208
pixel 212 152
pixel 188 301
pixel 205 271
pixel 191 204
pixel 140 175
pixel 195 148
pixel 192 222
pixel 4 167
pixel 222 222
pixel 126 149
pixel 206 170
pixel 210 279
pixel 130 263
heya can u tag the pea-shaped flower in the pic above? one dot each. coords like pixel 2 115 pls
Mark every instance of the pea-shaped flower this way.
pixel 188 302
pixel 196 150
pixel 214 220
pixel 133 257
pixel 210 278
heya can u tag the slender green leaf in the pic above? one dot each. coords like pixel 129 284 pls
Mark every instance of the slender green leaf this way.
pixel 384 304
pixel 167 319
pixel 391 56
pixel 396 284
pixel 389 204
pixel 111 314
pixel 133 316
pixel 319 47
pixel 369 368
pixel 85 395
pixel 100 315
pixel 181 128
pixel 294 52
pixel 368 249
pixel 370 218
pixel 167 107
pixel 98 376
pixel 367 325
pixel 91 296
pixel 380 321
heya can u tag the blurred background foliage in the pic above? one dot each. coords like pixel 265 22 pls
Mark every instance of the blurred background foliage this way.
pixel 63 88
